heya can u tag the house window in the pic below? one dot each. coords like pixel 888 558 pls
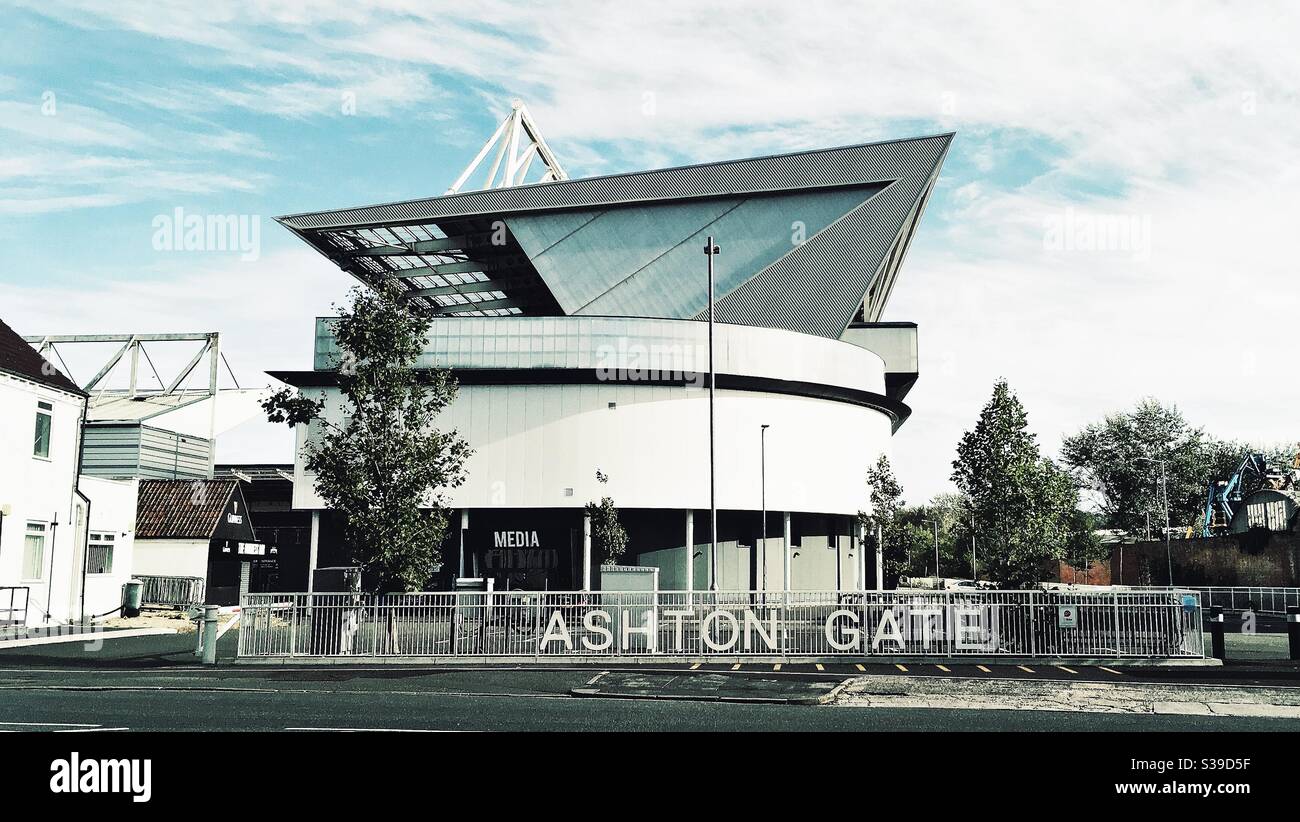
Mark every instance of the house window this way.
pixel 99 558
pixel 34 552
pixel 44 416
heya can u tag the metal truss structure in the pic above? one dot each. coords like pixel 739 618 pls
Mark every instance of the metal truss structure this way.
pixel 518 142
pixel 132 347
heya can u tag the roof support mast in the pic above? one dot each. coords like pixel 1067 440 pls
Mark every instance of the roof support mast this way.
pixel 518 142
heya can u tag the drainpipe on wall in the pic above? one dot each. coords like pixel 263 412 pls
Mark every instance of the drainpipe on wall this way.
pixel 76 489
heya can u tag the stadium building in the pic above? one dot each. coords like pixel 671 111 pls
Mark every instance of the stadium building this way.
pixel 573 313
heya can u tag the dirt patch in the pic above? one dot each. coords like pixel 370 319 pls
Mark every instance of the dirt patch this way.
pixel 175 620
pixel 1090 697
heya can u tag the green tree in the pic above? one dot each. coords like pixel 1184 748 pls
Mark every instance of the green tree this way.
pixel 377 457
pixel 608 536
pixel 1024 506
pixel 952 513
pixel 886 497
pixel 1119 459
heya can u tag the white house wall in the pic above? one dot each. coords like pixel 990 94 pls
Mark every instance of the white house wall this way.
pixel 112 510
pixel 171 558
pixel 40 490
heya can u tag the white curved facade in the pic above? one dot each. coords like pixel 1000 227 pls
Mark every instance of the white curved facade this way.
pixel 538 444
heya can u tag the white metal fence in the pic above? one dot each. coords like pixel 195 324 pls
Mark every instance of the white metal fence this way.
pixel 13 605
pixel 1260 600
pixel 545 625
pixel 174 591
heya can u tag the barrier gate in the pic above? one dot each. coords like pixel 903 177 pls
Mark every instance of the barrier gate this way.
pixel 520 625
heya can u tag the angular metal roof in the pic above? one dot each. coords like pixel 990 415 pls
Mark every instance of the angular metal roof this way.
pixel 452 256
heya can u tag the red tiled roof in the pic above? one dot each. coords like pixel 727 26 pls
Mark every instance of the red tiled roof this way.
pixel 181 509
pixel 19 358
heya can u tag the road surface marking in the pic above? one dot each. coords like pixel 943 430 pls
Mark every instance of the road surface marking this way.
pixel 369 730
pixel 776 667
pixel 1110 670
pixel 1025 668
pixel 53 724
pixel 736 667
pixel 1067 670
pixel 902 668
pixel 696 665
pixel 819 666
pixel 982 668
pixel 860 667
pixel 944 668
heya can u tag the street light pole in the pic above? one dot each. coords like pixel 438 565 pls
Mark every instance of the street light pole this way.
pixel 711 250
pixel 1164 492
pixel 935 523
pixel 936 549
pixel 974 574
pixel 762 472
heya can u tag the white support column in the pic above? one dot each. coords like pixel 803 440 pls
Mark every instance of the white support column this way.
pixel 786 556
pixel 862 556
pixel 690 549
pixel 464 526
pixel 311 556
pixel 586 552
pixel 880 560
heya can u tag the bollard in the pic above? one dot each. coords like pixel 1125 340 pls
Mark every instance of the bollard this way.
pixel 1293 629
pixel 210 634
pixel 1216 632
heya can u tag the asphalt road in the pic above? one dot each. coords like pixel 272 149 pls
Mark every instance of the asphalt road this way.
pixel 486 701
pixel 153 683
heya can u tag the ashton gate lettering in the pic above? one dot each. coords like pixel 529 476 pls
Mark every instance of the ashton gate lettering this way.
pixel 687 630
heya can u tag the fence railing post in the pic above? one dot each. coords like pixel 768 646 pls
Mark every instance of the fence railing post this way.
pixel 1033 625
pixel 537 627
pixel 1119 650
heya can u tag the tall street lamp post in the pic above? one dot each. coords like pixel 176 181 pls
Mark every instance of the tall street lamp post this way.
pixel 1164 492
pixel 711 250
pixel 762 473
pixel 935 523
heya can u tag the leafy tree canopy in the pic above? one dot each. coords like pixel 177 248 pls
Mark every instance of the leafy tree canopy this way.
pixel 377 458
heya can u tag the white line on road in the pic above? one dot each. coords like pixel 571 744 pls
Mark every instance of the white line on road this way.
pixel 380 730
pixel 54 724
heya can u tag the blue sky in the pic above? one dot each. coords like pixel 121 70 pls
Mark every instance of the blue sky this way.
pixel 1182 125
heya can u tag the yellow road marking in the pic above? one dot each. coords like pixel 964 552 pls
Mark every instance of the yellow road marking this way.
pixel 944 668
pixel 1067 670
pixel 776 667
pixel 859 667
pixel 736 667
pixel 696 665
pixel 902 668
pixel 819 666
pixel 1025 668
pixel 1110 670
pixel 982 668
